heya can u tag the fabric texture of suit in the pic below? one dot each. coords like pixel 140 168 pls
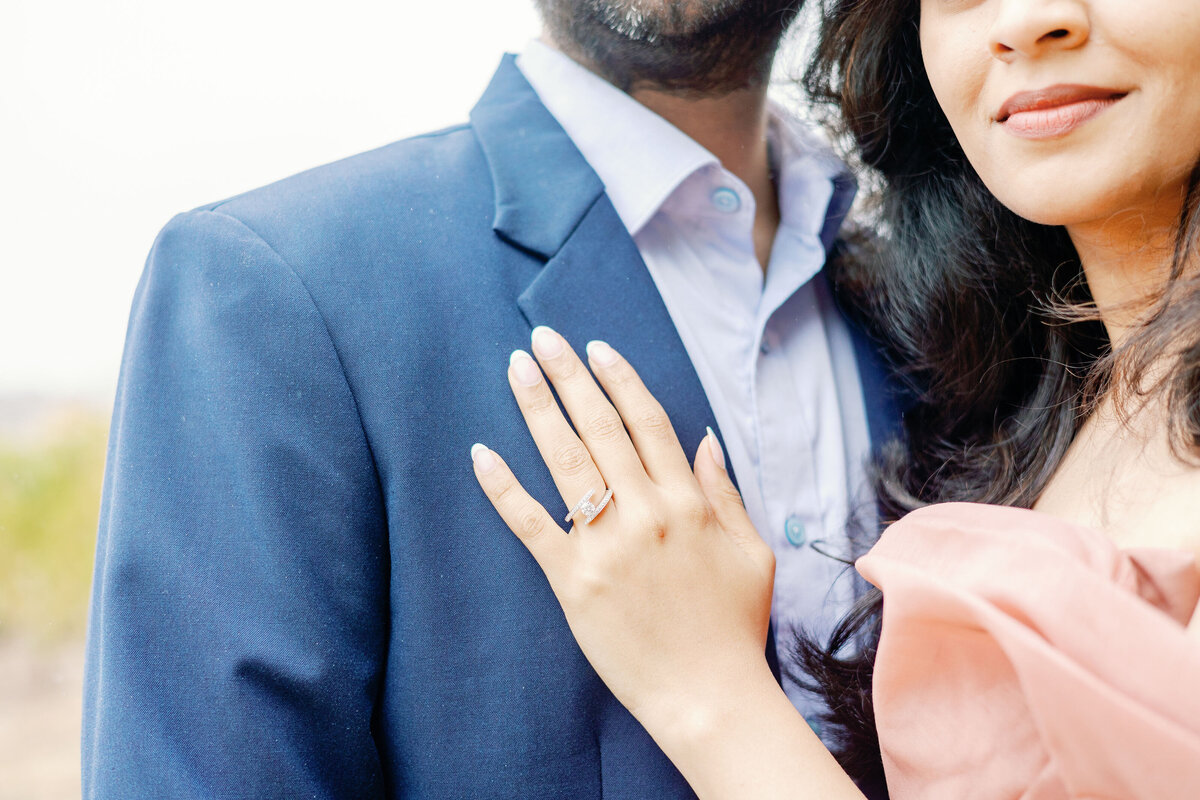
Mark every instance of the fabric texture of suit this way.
pixel 300 590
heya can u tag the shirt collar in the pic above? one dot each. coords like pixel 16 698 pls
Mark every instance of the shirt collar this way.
pixel 812 181
pixel 639 156
pixel 642 159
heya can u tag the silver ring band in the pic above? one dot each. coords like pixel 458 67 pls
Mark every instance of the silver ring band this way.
pixel 585 507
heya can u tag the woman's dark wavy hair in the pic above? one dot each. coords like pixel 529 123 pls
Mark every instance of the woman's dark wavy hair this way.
pixel 986 316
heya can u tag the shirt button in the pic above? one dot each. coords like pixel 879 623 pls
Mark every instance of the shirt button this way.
pixel 794 530
pixel 726 200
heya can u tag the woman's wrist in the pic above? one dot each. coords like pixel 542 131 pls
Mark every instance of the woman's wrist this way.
pixel 690 716
pixel 739 736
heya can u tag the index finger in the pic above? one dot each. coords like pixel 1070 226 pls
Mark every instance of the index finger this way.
pixel 525 517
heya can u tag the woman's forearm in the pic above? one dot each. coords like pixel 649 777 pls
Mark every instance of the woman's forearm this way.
pixel 747 742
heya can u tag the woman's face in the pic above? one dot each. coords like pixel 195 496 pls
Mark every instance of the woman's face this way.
pixel 1071 111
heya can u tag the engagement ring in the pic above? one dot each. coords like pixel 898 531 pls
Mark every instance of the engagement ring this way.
pixel 585 507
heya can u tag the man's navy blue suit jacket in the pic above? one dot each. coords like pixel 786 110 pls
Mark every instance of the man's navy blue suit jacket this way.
pixel 300 590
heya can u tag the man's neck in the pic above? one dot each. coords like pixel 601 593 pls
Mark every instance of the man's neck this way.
pixel 733 127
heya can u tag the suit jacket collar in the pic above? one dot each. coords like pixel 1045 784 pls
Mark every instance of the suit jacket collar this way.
pixel 543 185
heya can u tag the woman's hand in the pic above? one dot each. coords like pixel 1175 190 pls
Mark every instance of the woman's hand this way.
pixel 668 591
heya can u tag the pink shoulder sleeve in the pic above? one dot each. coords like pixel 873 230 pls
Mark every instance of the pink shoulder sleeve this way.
pixel 1025 657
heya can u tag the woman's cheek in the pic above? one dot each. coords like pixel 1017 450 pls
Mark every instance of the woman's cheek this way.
pixel 957 91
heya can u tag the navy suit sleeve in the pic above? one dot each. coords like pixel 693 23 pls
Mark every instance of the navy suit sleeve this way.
pixel 240 602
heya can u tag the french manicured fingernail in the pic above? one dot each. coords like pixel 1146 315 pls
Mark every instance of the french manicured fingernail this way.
pixel 524 367
pixel 485 460
pixel 601 353
pixel 714 447
pixel 546 343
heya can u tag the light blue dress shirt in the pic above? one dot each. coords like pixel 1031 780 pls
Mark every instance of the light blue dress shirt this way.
pixel 772 352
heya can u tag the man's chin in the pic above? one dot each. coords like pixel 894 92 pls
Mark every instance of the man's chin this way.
pixel 666 21
pixel 729 45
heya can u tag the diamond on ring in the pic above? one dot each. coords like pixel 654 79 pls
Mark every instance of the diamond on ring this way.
pixel 585 507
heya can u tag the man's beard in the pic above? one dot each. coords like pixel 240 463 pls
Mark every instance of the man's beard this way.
pixel 704 47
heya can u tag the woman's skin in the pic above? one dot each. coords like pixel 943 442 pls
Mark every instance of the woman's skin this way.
pixel 1117 184
pixel 668 590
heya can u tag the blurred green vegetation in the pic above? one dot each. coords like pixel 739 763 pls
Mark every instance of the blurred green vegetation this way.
pixel 49 505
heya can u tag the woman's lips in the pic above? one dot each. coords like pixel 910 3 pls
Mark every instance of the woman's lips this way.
pixel 1055 111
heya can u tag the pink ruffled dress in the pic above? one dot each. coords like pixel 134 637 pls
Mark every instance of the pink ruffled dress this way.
pixel 1026 657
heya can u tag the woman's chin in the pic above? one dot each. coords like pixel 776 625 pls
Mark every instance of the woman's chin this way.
pixel 1066 203
pixel 1142 216
pixel 1087 193
pixel 1055 216
pixel 1047 213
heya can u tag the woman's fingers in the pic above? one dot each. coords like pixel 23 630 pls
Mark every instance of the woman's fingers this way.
pixel 524 516
pixel 569 462
pixel 596 421
pixel 713 476
pixel 648 424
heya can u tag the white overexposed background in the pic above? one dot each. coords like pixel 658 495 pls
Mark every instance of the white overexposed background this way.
pixel 115 115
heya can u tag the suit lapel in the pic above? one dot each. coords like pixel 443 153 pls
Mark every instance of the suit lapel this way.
pixel 881 395
pixel 597 287
pixel 543 185
pixel 594 284
pixel 878 392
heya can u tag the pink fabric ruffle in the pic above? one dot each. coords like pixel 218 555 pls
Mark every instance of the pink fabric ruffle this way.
pixel 1026 657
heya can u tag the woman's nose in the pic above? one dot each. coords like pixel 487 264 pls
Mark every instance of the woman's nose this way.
pixel 1033 28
